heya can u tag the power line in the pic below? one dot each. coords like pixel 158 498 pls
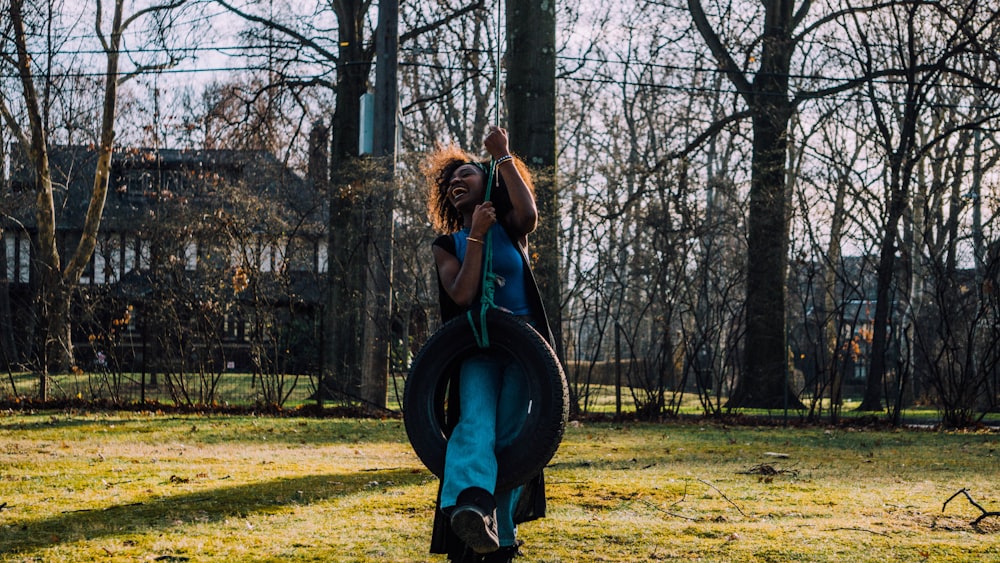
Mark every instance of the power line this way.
pixel 417 53
pixel 250 52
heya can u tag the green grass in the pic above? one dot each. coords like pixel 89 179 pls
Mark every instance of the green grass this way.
pixel 154 487
pixel 244 389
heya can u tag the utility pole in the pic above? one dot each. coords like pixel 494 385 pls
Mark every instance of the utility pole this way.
pixel 378 293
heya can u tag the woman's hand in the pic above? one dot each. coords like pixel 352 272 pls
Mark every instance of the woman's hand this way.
pixel 496 142
pixel 482 219
pixel 461 279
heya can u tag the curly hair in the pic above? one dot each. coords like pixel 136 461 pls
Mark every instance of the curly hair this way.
pixel 438 169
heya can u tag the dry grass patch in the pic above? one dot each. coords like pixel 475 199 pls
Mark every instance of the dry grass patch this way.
pixel 130 487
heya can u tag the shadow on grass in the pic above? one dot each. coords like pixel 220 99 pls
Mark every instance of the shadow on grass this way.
pixel 211 505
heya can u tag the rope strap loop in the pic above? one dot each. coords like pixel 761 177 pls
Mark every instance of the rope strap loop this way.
pixel 486 300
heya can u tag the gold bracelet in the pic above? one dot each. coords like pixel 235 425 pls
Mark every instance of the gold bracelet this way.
pixel 474 239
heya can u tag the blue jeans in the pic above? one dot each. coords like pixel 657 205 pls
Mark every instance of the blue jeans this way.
pixel 494 404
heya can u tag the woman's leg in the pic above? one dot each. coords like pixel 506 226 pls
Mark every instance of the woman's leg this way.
pixel 470 458
pixel 494 405
pixel 512 410
pixel 470 466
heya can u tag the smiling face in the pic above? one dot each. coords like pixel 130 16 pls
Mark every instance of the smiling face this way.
pixel 466 187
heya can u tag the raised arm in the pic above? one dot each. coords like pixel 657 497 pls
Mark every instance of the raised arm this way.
pixel 524 217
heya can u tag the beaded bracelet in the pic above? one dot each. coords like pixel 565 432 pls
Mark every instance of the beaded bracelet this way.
pixel 504 159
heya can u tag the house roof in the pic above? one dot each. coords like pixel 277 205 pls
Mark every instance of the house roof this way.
pixel 143 178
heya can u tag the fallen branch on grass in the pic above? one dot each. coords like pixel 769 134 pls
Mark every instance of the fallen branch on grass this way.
pixel 665 511
pixel 725 497
pixel 860 530
pixel 678 501
pixel 985 513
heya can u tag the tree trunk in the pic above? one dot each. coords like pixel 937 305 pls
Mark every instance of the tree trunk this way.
pixel 901 165
pixel 763 381
pixel 52 341
pixel 830 319
pixel 347 246
pixel 59 341
pixel 56 285
pixel 531 109
pixel 885 272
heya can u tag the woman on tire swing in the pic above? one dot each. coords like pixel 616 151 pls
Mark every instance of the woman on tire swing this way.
pixel 475 522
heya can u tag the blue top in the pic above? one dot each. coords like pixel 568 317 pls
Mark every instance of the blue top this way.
pixel 511 293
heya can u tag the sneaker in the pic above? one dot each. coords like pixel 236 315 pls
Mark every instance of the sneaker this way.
pixel 476 528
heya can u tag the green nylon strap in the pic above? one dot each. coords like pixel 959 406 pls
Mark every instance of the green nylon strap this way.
pixel 486 302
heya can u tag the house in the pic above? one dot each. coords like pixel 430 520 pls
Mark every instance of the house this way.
pixel 205 251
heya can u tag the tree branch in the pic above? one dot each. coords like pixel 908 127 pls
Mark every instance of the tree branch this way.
pixel 417 31
pixel 142 69
pixel 665 511
pixel 8 117
pixel 985 513
pixel 148 10
pixel 443 95
pixel 836 15
pixel 725 497
pixel 705 135
pixel 722 56
pixel 283 29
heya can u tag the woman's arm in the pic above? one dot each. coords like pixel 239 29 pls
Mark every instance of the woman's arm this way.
pixel 461 279
pixel 524 217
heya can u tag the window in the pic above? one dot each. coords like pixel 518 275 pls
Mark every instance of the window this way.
pixel 11 257
pixel 24 259
pixel 108 259
pixel 191 256
pixel 322 257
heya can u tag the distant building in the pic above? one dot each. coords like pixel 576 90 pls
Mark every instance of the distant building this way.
pixel 204 215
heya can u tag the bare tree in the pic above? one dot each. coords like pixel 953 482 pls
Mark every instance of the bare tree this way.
pixel 774 76
pixel 640 235
pixel 949 343
pixel 899 109
pixel 767 95
pixel 57 281
pixel 827 159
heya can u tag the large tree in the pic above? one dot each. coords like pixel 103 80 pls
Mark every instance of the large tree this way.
pixel 932 44
pixel 761 72
pixel 531 109
pixel 766 94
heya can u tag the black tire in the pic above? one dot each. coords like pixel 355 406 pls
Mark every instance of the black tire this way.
pixel 424 399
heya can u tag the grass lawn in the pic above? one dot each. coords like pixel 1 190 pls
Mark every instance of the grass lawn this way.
pixel 154 487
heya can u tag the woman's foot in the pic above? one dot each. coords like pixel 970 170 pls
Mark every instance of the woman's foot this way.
pixel 474 520
pixel 476 528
